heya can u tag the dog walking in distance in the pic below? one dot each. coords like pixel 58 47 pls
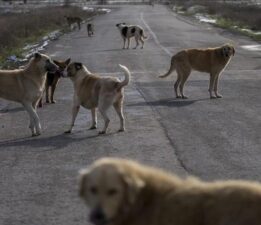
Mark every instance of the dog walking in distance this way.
pixel 93 91
pixel 90 29
pixel 208 60
pixel 53 79
pixel 74 20
pixel 26 86
pixel 123 192
pixel 129 31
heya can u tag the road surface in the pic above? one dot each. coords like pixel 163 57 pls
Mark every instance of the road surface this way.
pixel 211 139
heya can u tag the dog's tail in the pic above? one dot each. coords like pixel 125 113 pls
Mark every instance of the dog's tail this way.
pixel 143 35
pixel 171 69
pixel 127 76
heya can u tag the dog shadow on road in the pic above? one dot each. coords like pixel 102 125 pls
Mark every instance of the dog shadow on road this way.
pixel 56 142
pixel 169 102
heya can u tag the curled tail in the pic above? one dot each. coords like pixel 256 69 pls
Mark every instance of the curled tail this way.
pixel 171 69
pixel 127 76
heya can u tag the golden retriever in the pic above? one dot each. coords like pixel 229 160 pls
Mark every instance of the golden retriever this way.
pixel 93 91
pixel 209 60
pixel 123 192
pixel 26 86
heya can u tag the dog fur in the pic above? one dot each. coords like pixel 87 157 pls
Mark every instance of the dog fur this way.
pixel 123 192
pixel 53 79
pixel 26 86
pixel 90 29
pixel 92 91
pixel 74 20
pixel 129 31
pixel 209 60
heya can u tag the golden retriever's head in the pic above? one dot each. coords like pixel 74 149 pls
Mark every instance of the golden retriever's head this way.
pixel 228 50
pixel 109 189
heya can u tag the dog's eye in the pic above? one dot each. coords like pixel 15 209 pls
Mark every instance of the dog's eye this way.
pixel 112 192
pixel 93 190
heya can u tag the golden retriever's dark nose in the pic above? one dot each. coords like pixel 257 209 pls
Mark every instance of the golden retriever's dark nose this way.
pixel 97 216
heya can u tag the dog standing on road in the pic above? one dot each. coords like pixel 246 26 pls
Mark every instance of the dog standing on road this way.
pixel 123 192
pixel 90 29
pixel 209 60
pixel 74 20
pixel 26 86
pixel 53 79
pixel 92 91
pixel 129 31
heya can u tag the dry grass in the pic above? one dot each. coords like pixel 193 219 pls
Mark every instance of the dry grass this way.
pixel 243 14
pixel 18 29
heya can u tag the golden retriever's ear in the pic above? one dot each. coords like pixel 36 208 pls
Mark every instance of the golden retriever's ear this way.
pixel 134 185
pixel 82 182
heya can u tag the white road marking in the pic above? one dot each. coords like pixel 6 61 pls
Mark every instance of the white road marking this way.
pixel 154 36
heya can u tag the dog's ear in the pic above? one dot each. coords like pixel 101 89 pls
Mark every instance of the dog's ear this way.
pixel 78 66
pixel 134 185
pixel 82 182
pixel 37 56
pixel 67 61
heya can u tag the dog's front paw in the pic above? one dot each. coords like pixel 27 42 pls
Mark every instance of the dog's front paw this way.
pixel 184 97
pixel 121 130
pixel 36 134
pixel 179 96
pixel 102 132
pixel 219 96
pixel 213 97
pixel 68 132
pixel 53 101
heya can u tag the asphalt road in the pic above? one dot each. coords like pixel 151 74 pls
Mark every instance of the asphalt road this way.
pixel 211 139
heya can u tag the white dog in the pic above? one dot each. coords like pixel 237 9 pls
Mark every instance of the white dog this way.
pixel 129 31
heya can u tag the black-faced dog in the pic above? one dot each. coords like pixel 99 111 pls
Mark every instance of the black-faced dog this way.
pixel 129 31
pixel 53 79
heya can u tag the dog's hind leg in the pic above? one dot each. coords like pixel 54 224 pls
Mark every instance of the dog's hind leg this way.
pixel 137 42
pixel 176 86
pixel 211 85
pixel 216 87
pixel 118 108
pixel 34 119
pixel 94 119
pixel 104 104
pixel 142 42
pixel 184 74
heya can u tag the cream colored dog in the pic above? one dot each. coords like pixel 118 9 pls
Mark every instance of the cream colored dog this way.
pixel 92 91
pixel 26 86
pixel 122 192
pixel 209 60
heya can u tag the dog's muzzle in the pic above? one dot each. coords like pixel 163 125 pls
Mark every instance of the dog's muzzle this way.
pixel 98 217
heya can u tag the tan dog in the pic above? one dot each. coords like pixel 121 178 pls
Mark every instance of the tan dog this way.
pixel 74 20
pixel 122 192
pixel 26 86
pixel 92 91
pixel 209 60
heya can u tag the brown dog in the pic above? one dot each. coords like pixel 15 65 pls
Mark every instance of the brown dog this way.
pixel 26 86
pixel 74 20
pixel 122 192
pixel 93 91
pixel 209 60
pixel 53 79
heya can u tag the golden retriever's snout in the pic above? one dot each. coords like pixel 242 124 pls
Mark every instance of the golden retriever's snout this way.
pixel 97 216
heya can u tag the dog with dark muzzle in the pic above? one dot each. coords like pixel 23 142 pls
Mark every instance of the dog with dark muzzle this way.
pixel 26 86
pixel 53 79
pixel 129 31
